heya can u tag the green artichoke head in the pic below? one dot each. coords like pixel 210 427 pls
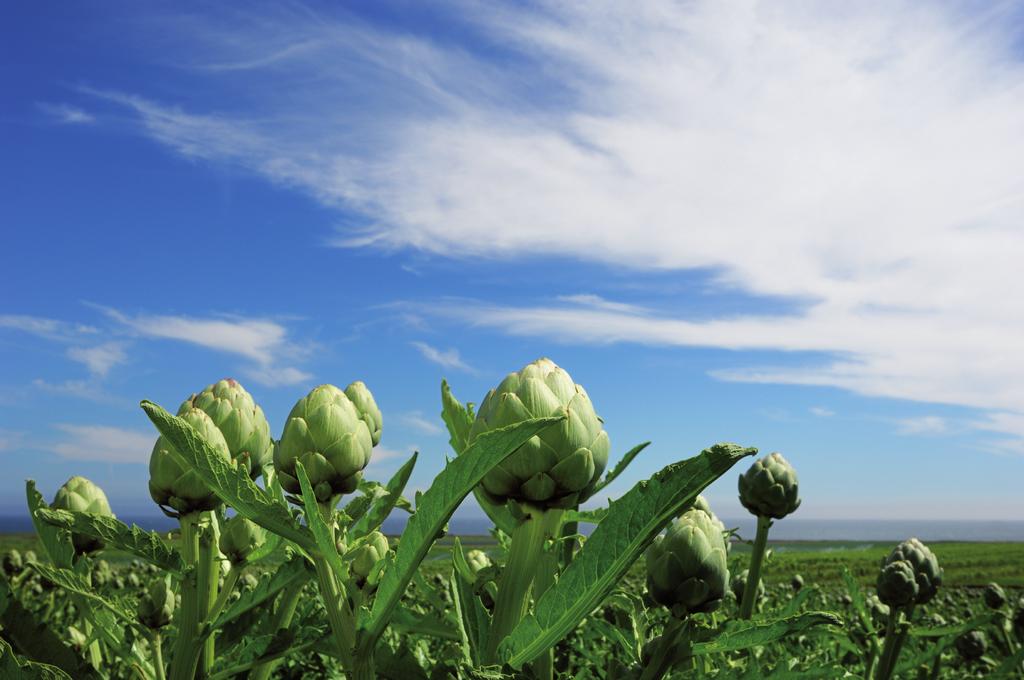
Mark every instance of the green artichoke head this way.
pixel 327 432
pixel 739 584
pixel 994 596
pixel 927 572
pixel 80 495
pixel 370 414
pixel 12 562
pixel 477 560
pixel 797 582
pixel 897 584
pixel 366 556
pixel 239 537
pixel 972 645
pixel 769 488
pixel 241 421
pixel 157 604
pixel 173 486
pixel 560 466
pixel 687 567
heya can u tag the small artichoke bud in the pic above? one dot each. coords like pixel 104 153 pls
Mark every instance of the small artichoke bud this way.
pixel 738 585
pixel 327 432
pixel 797 582
pixel 13 563
pixel 241 421
pixel 560 466
pixel 101 573
pixel 769 488
pixel 361 397
pixel 239 538
pixel 687 568
pixel 995 596
pixel 897 584
pixel 366 556
pixel 879 612
pixel 133 580
pixel 927 572
pixel 846 600
pixel 157 604
pixel 248 581
pixel 80 495
pixel 30 556
pixel 181 489
pixel 972 645
pixel 477 560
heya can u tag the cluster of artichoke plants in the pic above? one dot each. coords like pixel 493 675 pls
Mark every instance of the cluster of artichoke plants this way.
pixel 262 521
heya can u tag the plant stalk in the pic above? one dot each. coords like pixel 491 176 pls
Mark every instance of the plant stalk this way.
pixel 661 663
pixel 890 645
pixel 230 581
pixel 754 573
pixel 186 651
pixel 282 619
pixel 209 571
pixel 339 615
pixel 548 567
pixel 516 580
pixel 901 637
pixel 157 641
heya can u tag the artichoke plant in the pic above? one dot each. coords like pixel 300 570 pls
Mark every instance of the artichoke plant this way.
pixel 157 604
pixel 687 569
pixel 927 572
pixel 12 562
pixel 560 466
pixel 173 486
pixel 972 645
pixel 994 596
pixel 80 495
pixel 797 582
pixel 241 421
pixel 332 433
pixel 239 537
pixel 366 556
pixel 770 487
pixel 477 560
pixel 738 586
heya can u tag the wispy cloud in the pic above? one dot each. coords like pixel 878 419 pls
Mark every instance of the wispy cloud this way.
pixel 445 358
pixel 66 114
pixel 51 329
pixel 864 163
pixel 822 412
pixel 81 389
pixel 922 425
pixel 103 443
pixel 416 421
pixel 99 359
pixel 263 341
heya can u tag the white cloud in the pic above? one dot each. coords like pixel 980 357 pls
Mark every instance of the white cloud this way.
pixel 416 420
pixel 263 341
pixel 862 160
pixel 922 425
pixel 445 358
pixel 52 329
pixel 67 114
pixel 105 444
pixel 81 389
pixel 822 412
pixel 100 358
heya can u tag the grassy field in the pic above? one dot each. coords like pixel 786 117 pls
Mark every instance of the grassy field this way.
pixel 821 562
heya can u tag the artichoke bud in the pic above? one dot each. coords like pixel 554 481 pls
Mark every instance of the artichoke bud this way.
pixel 248 581
pixel 897 584
pixel 241 421
pixel 239 537
pixel 972 645
pixel 80 495
pixel 12 562
pixel 365 557
pixel 995 596
pixel 477 561
pixel 739 584
pixel 687 568
pixel 797 582
pixel 157 604
pixel 769 488
pixel 560 466
pixel 101 573
pixel 179 488
pixel 370 414
pixel 328 433
pixel 927 572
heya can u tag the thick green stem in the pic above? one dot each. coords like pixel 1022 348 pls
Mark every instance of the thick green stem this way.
pixel 901 637
pixel 890 645
pixel 754 573
pixel 230 581
pixel 516 580
pixel 209 571
pixel 157 642
pixel 190 616
pixel 282 619
pixel 661 663
pixel 544 666
pixel 339 615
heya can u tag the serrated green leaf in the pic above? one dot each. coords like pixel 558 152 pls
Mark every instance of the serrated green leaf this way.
pixel 147 545
pixel 618 541
pixel 75 583
pixel 321 532
pixel 56 542
pixel 621 466
pixel 976 623
pixel 586 516
pixel 436 506
pixel 13 667
pixel 737 635
pixel 230 483
pixel 475 620
pixel 383 505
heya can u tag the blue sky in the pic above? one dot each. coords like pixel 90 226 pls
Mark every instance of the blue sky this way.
pixel 793 230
